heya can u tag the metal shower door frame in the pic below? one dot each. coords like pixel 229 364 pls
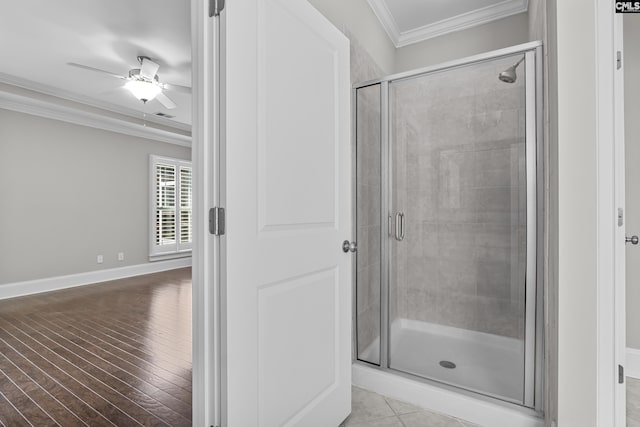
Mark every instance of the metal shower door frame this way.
pixel 534 154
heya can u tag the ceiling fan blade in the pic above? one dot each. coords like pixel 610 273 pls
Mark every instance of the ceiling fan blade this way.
pixel 85 67
pixel 177 88
pixel 165 101
pixel 149 69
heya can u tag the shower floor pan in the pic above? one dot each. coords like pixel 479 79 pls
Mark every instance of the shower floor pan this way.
pixel 485 363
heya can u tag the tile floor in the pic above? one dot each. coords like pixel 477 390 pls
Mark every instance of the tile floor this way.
pixel 633 402
pixel 370 409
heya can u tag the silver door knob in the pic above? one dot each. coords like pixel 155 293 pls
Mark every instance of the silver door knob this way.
pixel 633 240
pixel 348 246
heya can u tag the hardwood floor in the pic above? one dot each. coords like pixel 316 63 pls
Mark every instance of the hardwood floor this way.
pixel 116 353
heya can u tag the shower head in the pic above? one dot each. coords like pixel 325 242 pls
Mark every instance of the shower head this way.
pixel 509 75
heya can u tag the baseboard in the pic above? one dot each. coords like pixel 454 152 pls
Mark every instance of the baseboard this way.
pixel 29 287
pixel 633 363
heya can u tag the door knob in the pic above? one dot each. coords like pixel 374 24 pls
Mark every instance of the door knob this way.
pixel 348 246
pixel 633 240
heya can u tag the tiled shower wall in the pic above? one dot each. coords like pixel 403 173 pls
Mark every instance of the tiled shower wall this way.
pixel 458 174
pixel 368 193
pixel 368 175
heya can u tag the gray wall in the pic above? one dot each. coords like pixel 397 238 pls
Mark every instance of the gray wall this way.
pixel 505 32
pixel 536 14
pixel 632 137
pixel 356 19
pixel 70 193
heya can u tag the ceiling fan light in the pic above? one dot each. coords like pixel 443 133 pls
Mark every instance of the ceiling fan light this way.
pixel 143 90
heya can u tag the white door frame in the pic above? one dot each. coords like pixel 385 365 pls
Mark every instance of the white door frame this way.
pixel 205 53
pixel 620 229
pixel 610 236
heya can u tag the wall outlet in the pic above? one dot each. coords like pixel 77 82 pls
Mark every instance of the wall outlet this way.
pixel 120 256
pixel 100 259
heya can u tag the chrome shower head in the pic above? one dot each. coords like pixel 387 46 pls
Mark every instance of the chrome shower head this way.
pixel 509 75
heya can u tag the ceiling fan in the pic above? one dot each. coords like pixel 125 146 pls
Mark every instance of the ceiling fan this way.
pixel 143 82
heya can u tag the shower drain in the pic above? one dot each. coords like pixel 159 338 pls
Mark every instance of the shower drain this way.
pixel 447 364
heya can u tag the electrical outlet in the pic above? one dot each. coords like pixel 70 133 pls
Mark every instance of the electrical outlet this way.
pixel 100 259
pixel 120 256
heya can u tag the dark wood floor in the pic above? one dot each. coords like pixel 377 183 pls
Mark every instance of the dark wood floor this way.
pixel 117 353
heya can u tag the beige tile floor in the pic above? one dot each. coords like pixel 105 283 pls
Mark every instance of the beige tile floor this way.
pixel 370 409
pixel 633 402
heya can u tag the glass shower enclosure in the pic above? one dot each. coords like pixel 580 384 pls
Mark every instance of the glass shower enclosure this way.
pixel 448 166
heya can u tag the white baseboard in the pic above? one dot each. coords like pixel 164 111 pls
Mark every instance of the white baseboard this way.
pixel 481 412
pixel 29 287
pixel 633 363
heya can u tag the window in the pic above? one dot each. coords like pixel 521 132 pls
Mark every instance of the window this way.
pixel 171 207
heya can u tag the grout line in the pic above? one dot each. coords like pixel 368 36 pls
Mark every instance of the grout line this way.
pixel 389 405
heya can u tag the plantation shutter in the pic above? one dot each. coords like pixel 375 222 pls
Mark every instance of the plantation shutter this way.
pixel 171 206
pixel 185 206
pixel 166 204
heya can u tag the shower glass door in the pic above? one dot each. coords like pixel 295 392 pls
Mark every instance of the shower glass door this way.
pixel 458 235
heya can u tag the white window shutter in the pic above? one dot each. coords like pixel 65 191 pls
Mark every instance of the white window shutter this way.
pixel 171 206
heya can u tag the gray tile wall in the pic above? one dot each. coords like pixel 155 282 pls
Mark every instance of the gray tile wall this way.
pixel 459 177
pixel 368 219
pixel 368 203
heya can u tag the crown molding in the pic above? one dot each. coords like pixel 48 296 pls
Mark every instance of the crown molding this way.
pixel 92 102
pixel 457 23
pixel 387 20
pixel 75 114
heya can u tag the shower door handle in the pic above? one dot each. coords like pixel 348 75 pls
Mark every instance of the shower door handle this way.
pixel 399 226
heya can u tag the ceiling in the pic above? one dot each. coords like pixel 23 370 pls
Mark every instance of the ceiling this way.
pixel 412 21
pixel 39 37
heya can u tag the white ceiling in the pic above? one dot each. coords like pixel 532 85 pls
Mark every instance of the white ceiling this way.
pixel 411 21
pixel 39 37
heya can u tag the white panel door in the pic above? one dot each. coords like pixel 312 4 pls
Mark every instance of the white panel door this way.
pixel 286 320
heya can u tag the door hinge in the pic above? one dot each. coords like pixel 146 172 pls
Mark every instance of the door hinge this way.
pixel 620 374
pixel 215 7
pixel 619 59
pixel 216 221
pixel 620 217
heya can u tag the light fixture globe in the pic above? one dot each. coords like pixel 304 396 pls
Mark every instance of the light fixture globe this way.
pixel 143 90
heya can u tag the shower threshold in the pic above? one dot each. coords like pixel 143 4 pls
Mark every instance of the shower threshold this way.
pixel 484 363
